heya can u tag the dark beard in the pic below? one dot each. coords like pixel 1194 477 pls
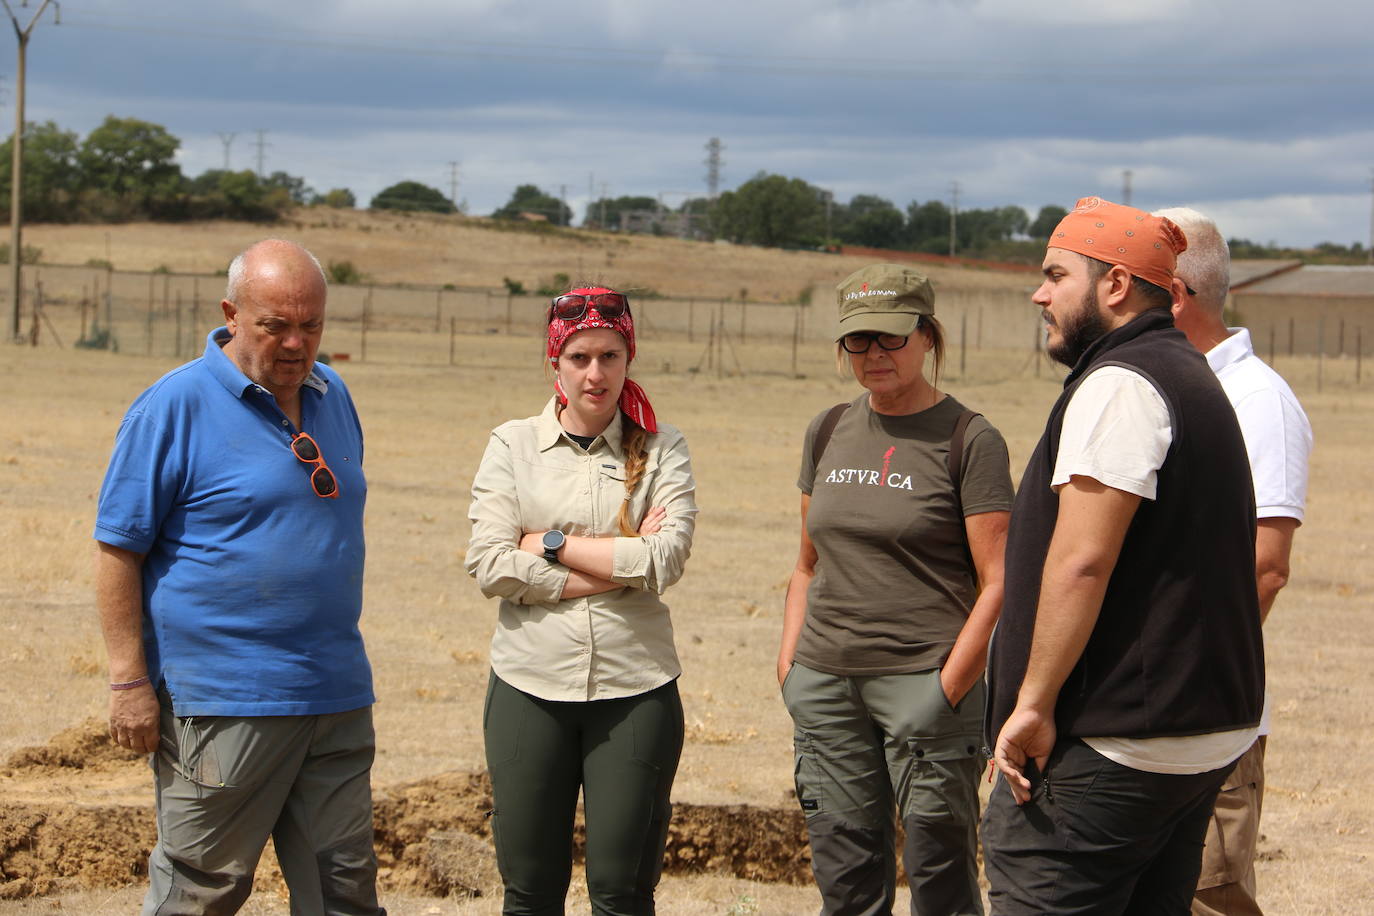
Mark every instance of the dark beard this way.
pixel 1079 332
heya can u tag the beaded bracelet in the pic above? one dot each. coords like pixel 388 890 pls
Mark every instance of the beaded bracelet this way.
pixel 130 685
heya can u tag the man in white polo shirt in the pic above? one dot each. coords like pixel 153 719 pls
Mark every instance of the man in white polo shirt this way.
pixel 1278 441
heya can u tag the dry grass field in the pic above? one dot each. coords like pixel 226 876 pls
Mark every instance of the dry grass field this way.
pixel 72 814
pixel 431 250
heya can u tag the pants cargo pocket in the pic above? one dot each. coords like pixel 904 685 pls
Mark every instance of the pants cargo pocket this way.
pixel 806 776
pixel 941 779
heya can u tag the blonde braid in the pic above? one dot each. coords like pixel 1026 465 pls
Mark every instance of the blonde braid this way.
pixel 636 458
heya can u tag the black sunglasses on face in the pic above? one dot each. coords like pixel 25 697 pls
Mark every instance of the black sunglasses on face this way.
pixel 860 343
pixel 574 306
pixel 322 479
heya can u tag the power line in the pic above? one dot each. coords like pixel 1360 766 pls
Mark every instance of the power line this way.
pixel 713 164
pixel 17 160
pixel 262 144
pixel 227 139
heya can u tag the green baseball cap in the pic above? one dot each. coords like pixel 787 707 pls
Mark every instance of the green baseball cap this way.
pixel 883 299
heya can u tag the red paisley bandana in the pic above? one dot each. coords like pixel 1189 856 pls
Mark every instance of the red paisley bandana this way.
pixel 633 401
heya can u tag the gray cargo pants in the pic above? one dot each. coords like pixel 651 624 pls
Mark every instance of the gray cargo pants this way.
pixel 224 784
pixel 866 746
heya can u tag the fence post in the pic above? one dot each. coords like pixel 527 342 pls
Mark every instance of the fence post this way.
pixel 743 317
pixel 1290 337
pixel 452 337
pixel 1340 339
pixel 367 309
pixel 151 306
pixel 691 319
pixel 1271 343
pixel 796 336
pixel 438 308
pixel 963 344
pixel 1321 349
pixel 1359 353
pixel 178 341
pixel 1035 334
pixel 509 297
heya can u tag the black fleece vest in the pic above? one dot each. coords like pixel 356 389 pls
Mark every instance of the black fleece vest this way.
pixel 1176 649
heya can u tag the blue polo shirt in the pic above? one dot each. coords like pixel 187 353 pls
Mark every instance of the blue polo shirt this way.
pixel 252 584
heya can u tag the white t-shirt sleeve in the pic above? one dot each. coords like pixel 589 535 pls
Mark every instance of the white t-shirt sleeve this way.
pixel 1116 430
pixel 1278 440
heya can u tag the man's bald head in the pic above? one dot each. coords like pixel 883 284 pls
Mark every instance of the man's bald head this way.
pixel 275 258
pixel 1206 266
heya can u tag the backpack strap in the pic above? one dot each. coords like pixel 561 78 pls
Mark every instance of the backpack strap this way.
pixel 954 461
pixel 832 419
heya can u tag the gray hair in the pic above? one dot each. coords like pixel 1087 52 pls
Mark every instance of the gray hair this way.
pixel 1206 265
pixel 237 267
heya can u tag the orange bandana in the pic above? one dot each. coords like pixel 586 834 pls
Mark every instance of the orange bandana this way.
pixel 1148 246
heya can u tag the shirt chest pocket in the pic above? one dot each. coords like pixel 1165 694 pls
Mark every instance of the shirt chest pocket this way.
pixel 611 491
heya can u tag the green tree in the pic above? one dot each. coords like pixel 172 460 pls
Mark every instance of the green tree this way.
pixel 609 213
pixel 51 174
pixel 1045 221
pixel 872 222
pixel 927 226
pixel 771 210
pixel 296 189
pixel 127 157
pixel 528 198
pixel 338 198
pixel 411 195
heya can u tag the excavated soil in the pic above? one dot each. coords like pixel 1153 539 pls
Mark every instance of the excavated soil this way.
pixel 71 814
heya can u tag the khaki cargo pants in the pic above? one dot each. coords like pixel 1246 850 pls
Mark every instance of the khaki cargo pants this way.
pixel 225 784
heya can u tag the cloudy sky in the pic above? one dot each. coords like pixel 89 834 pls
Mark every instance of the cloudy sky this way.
pixel 1255 111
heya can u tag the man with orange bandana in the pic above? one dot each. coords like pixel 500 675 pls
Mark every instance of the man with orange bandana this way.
pixel 1126 674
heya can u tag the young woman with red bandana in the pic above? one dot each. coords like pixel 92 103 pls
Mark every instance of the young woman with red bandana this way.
pixel 581 517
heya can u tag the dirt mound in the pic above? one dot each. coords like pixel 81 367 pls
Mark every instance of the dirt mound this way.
pixel 93 846
pixel 83 746
pixel 432 837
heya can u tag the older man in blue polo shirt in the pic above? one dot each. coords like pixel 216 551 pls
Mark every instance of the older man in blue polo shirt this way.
pixel 229 581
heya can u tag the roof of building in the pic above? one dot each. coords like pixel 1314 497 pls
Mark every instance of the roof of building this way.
pixel 1244 272
pixel 1313 280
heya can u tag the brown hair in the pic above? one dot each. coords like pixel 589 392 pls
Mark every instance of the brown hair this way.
pixel 636 459
pixel 928 325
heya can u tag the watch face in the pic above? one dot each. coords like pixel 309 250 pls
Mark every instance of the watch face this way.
pixel 553 540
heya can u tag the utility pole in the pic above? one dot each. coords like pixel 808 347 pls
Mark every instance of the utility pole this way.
pixel 17 165
pixel 227 140
pixel 453 182
pixel 262 145
pixel 1126 187
pixel 563 212
pixel 1371 217
pixel 953 215
pixel 603 205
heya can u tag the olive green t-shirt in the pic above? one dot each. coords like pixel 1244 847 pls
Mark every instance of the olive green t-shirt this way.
pixel 893 582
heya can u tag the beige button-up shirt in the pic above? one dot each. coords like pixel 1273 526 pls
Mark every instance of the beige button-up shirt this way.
pixel 534 478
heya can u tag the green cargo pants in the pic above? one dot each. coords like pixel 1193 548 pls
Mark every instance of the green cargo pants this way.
pixel 866 746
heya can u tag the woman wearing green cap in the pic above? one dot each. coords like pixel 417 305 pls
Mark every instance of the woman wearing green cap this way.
pixel 905 500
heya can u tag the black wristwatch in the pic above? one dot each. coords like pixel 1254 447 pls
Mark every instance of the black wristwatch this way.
pixel 553 542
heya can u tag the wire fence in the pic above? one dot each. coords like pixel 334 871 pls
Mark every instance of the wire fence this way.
pixel 989 334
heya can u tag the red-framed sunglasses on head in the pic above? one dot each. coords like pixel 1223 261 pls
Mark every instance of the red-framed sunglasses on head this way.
pixel 574 305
